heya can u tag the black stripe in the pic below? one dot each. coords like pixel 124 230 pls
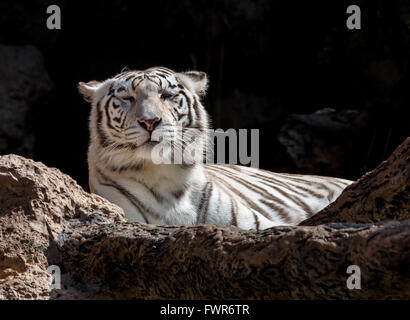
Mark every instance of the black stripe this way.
pixel 135 85
pixel 152 80
pixel 102 137
pixel 336 184
pixel 129 78
pixel 256 221
pixel 234 212
pixel 161 69
pixel 264 193
pixel 158 197
pixel 274 182
pixel 305 180
pixel 107 115
pixel 248 201
pixel 309 191
pixel 197 112
pixel 120 169
pixel 131 197
pixel 295 199
pixel 282 213
pixel 188 100
pixel 204 202
pixel 299 202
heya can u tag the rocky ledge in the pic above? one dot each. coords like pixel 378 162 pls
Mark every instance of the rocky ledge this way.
pixel 46 220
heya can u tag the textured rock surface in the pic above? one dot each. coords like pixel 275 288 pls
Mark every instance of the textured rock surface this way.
pixel 380 195
pixel 36 204
pixel 206 262
pixel 23 80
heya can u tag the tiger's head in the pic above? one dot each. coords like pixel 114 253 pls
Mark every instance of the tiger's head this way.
pixel 135 110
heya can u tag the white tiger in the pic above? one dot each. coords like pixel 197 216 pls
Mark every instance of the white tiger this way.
pixel 127 112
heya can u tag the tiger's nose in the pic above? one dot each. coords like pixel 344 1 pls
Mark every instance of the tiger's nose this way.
pixel 149 124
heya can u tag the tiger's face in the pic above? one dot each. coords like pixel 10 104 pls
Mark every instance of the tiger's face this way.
pixel 135 110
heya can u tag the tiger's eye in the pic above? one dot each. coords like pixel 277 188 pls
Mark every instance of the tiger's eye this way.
pixel 166 95
pixel 130 98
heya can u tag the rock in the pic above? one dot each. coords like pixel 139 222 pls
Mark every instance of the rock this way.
pixel 322 141
pixel 23 81
pixel 380 195
pixel 38 206
pixel 136 261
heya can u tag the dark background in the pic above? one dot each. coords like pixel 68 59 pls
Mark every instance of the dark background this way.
pixel 271 64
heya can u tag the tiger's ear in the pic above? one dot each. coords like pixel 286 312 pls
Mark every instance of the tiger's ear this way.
pixel 88 89
pixel 197 80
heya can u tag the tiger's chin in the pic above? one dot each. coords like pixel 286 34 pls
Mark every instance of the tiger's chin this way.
pixel 162 152
pixel 144 151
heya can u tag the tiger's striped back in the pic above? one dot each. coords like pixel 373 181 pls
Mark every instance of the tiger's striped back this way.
pixel 278 197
